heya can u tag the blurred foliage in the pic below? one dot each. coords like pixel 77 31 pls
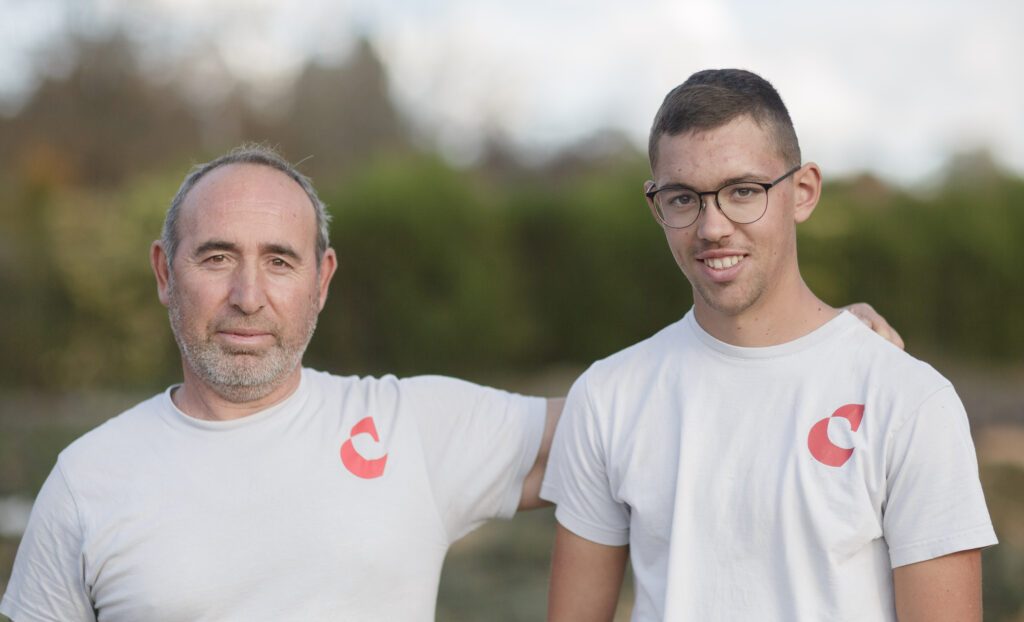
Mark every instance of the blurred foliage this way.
pixel 499 268
pixel 452 270
pixel 1003 565
pixel 942 266
pixel 444 269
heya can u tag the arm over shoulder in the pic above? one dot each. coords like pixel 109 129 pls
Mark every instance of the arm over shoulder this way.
pixel 479 445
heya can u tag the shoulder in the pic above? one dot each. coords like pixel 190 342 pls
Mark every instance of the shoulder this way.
pixel 888 367
pixel 122 445
pixel 320 380
pixel 638 363
pixel 889 380
pixel 389 386
pixel 118 432
pixel 420 394
pixel 333 388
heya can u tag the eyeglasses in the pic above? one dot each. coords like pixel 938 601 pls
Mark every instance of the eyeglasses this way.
pixel 742 202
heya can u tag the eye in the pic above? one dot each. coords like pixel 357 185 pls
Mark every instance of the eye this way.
pixel 277 262
pixel 680 199
pixel 746 193
pixel 216 259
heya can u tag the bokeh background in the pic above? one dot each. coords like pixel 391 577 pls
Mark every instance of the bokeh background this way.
pixel 483 161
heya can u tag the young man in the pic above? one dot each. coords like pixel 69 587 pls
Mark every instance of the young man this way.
pixel 766 457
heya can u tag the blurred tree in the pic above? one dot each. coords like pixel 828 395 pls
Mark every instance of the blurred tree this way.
pixel 117 331
pixel 504 265
pixel 106 120
pixel 427 281
pixel 337 115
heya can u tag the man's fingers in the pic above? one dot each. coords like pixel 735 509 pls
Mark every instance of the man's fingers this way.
pixel 867 314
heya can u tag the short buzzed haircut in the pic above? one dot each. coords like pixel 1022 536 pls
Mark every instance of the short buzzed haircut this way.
pixel 712 98
pixel 248 153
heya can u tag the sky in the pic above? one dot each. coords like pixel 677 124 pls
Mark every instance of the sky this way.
pixel 889 87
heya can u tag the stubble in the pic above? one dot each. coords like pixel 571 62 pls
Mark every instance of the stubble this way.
pixel 240 375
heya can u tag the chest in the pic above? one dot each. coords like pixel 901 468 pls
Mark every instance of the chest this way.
pixel 759 462
pixel 266 530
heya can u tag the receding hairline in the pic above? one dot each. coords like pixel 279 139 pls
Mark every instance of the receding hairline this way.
pixel 246 153
pixel 229 166
pixel 209 177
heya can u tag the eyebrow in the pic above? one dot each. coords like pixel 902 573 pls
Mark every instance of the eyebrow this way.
pixel 215 245
pixel 755 177
pixel 280 249
pixel 265 249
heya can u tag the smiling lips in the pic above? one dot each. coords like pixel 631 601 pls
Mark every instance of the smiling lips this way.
pixel 722 263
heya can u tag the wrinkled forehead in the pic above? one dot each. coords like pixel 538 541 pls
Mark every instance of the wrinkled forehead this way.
pixel 250 200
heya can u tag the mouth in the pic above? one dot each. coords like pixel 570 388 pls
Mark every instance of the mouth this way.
pixel 721 266
pixel 243 332
pixel 722 263
pixel 244 338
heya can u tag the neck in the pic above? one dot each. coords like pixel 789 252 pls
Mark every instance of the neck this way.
pixel 198 399
pixel 783 313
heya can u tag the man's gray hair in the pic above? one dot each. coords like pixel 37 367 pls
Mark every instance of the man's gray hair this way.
pixel 248 153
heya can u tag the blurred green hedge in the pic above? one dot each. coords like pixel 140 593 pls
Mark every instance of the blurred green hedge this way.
pixel 453 270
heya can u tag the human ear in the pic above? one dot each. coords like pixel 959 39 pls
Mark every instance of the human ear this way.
pixel 806 191
pixel 328 265
pixel 161 270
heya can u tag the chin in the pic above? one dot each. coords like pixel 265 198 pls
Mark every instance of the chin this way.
pixel 725 303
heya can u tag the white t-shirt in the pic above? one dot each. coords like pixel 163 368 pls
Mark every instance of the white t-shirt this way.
pixel 778 483
pixel 337 504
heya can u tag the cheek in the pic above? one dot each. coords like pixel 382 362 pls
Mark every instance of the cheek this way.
pixel 294 297
pixel 198 297
pixel 679 244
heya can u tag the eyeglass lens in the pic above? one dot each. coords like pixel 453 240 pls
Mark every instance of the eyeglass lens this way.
pixel 741 203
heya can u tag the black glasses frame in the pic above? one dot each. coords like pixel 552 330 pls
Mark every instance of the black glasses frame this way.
pixel 767 186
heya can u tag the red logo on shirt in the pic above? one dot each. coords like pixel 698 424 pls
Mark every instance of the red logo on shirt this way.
pixel 823 449
pixel 355 463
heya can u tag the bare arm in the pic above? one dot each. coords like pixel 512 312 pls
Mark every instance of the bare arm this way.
pixel 585 579
pixel 531 485
pixel 867 314
pixel 944 589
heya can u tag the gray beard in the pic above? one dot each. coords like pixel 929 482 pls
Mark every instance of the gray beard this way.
pixel 238 375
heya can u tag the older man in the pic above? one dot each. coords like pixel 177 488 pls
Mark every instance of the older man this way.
pixel 256 489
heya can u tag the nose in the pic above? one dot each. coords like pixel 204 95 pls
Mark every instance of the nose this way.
pixel 712 224
pixel 247 293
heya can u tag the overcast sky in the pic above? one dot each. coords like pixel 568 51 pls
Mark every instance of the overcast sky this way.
pixel 892 87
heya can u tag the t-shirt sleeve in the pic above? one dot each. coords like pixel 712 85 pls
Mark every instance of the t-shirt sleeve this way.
pixel 934 502
pixel 577 478
pixel 47 579
pixel 479 444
